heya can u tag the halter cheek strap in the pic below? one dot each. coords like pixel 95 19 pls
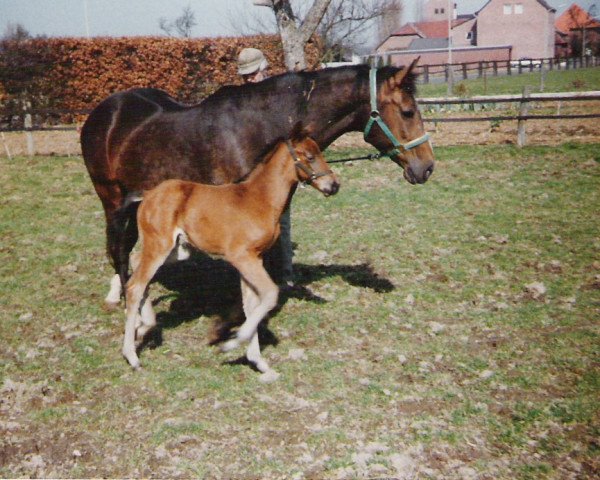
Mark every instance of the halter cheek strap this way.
pixel 375 117
pixel 310 173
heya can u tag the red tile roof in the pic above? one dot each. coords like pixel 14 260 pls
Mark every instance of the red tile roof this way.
pixel 574 18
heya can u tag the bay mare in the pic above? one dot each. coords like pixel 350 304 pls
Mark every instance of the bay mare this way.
pixel 135 139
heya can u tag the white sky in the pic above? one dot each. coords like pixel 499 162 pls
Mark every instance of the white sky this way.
pixel 140 17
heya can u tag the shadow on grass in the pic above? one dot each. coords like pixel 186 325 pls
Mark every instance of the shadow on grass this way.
pixel 204 286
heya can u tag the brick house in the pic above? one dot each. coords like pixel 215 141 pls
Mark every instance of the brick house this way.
pixel 527 25
pixel 500 30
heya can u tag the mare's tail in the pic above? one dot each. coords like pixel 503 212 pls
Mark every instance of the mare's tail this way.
pixel 122 225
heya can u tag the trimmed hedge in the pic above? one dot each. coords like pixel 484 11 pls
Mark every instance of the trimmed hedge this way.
pixel 76 73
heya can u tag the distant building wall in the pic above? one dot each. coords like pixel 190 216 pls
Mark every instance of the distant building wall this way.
pixel 459 55
pixel 525 24
pixel 463 34
pixel 434 10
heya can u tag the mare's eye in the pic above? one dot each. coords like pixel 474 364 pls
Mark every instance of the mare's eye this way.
pixel 408 113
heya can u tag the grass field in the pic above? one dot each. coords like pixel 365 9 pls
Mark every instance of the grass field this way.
pixel 555 81
pixel 448 330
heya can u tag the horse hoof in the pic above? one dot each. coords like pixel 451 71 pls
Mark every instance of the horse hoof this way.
pixel 230 345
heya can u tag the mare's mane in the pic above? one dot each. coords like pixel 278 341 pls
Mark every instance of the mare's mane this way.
pixel 284 81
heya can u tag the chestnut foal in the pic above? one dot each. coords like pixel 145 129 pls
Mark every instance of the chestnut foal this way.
pixel 238 222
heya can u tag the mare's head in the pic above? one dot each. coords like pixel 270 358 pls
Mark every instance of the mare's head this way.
pixel 311 166
pixel 399 111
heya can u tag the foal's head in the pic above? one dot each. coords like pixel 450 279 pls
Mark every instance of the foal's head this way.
pixel 311 166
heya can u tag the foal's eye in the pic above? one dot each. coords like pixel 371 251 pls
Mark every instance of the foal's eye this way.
pixel 408 113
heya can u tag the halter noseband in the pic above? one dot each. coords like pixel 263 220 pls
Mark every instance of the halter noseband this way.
pixel 312 175
pixel 375 117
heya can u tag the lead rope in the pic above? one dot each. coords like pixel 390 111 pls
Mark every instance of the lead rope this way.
pixel 371 156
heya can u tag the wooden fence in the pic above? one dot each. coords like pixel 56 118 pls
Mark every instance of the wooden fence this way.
pixel 525 101
pixel 479 69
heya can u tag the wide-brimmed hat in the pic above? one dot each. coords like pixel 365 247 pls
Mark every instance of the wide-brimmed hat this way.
pixel 251 60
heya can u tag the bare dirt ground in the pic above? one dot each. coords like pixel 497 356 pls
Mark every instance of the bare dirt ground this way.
pixel 539 132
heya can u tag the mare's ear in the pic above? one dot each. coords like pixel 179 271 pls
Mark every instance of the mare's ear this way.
pixel 300 132
pixel 396 80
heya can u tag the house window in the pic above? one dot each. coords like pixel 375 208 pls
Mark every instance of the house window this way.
pixel 437 10
pixel 469 35
pixel 507 9
pixel 518 8
pixel 441 10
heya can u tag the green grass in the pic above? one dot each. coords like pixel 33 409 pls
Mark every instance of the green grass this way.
pixel 555 81
pixel 422 343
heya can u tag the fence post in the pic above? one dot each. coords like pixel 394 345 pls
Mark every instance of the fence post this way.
pixel 28 124
pixel 523 110
pixel 495 68
pixel 6 149
pixel 480 69
pixel 508 68
pixel 485 81
pixel 464 71
pixel 426 73
pixel 542 76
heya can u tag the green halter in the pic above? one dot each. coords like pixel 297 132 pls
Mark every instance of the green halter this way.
pixel 376 118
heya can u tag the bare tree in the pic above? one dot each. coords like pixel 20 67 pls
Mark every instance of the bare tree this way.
pixel 295 33
pixel 340 23
pixel 389 20
pixel 182 25
pixel 347 21
pixel 15 32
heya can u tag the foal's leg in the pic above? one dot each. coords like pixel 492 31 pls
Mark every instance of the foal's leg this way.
pixel 250 301
pixel 154 253
pixel 147 318
pixel 148 321
pixel 257 278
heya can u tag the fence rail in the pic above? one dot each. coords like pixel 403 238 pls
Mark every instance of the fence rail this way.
pixel 525 100
pixel 482 68
pixel 538 97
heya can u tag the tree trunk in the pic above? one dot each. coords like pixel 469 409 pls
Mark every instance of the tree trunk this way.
pixel 294 37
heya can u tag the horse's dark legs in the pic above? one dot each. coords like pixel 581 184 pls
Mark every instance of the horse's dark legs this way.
pixel 278 260
pixel 114 254
pixel 121 237
pixel 125 244
pixel 111 197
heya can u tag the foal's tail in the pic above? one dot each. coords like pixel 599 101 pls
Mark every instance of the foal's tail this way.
pixel 124 218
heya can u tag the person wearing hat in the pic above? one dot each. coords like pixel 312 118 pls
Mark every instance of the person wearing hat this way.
pixel 252 65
